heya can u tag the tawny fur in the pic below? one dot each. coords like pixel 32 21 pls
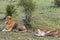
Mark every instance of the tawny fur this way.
pixel 11 24
pixel 54 33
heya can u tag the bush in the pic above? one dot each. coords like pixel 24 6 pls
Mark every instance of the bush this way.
pixel 10 10
pixel 57 2
pixel 28 9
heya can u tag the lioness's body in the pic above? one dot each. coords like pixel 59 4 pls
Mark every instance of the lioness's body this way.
pixel 54 33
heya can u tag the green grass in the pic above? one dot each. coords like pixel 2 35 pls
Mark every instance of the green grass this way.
pixel 22 36
pixel 45 16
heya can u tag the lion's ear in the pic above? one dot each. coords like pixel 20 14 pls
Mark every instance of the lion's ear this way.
pixel 9 17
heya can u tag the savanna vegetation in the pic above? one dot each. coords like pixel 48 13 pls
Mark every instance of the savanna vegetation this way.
pixel 42 14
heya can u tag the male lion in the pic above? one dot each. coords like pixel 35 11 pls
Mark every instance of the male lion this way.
pixel 11 25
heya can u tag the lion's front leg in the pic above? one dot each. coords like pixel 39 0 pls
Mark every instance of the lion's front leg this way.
pixel 4 30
